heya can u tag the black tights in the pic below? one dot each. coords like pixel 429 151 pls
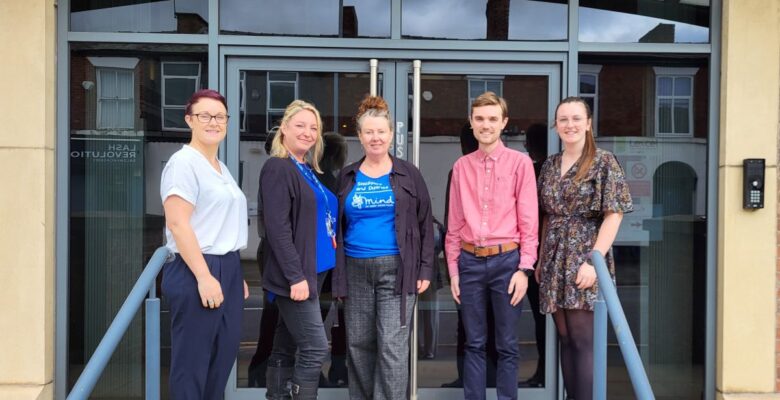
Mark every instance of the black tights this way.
pixel 575 332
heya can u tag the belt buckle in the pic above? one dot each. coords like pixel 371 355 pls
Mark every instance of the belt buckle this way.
pixel 481 251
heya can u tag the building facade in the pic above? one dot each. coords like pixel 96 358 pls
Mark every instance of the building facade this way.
pixel 682 92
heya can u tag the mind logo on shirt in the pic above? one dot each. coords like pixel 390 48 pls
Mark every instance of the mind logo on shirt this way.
pixel 360 202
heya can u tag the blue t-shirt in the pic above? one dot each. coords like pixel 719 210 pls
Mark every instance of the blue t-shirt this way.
pixel 370 212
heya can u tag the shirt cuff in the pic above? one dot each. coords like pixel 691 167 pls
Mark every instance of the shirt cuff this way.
pixel 525 267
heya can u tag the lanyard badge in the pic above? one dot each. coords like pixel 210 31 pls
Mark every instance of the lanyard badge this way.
pixel 330 220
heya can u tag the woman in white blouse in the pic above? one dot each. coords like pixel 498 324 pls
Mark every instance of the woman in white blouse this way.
pixel 206 226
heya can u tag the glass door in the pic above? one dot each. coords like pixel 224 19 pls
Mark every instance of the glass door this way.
pixel 258 91
pixel 444 92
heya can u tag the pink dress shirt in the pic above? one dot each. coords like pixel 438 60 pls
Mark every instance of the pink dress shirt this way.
pixel 493 201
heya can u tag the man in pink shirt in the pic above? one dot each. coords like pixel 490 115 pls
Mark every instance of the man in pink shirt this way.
pixel 491 245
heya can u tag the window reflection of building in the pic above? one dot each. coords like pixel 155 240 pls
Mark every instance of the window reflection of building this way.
pixel 179 81
pixel 166 16
pixel 126 117
pixel 674 101
pixel 589 89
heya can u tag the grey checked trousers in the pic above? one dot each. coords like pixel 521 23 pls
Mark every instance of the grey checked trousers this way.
pixel 378 344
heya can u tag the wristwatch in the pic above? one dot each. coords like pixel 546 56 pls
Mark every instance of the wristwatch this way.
pixel 528 272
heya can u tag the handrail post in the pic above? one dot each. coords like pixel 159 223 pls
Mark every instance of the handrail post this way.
pixel 600 349
pixel 636 369
pixel 153 345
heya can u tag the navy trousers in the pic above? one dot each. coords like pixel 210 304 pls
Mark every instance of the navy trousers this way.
pixel 483 279
pixel 204 341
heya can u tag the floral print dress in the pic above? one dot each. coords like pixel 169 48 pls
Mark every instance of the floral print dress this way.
pixel 574 213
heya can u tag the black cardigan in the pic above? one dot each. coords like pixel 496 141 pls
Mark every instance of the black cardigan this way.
pixel 413 223
pixel 290 216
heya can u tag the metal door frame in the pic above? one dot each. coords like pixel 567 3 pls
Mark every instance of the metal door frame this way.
pixel 395 90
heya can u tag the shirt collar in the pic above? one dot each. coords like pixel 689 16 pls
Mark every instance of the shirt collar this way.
pixel 494 155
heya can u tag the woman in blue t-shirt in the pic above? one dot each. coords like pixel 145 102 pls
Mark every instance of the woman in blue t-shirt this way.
pixel 385 257
pixel 299 248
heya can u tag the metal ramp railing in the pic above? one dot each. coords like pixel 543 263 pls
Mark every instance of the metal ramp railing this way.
pixel 608 306
pixel 97 363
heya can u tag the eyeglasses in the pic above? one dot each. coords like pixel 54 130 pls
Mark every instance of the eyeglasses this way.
pixel 205 118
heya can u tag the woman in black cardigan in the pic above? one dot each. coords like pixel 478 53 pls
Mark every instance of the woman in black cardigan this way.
pixel 300 224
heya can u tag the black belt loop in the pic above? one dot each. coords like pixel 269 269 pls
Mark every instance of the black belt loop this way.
pixel 500 249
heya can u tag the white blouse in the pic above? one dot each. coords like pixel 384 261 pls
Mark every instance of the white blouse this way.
pixel 219 217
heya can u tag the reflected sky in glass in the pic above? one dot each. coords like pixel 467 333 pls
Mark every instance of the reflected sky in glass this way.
pixel 608 26
pixel 302 17
pixel 465 19
pixel 155 17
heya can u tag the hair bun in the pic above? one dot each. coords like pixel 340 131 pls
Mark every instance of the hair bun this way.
pixel 372 103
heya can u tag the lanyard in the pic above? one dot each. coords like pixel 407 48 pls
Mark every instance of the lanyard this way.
pixel 330 221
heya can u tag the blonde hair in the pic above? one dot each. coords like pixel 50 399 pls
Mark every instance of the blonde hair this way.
pixel 373 106
pixel 490 99
pixel 314 154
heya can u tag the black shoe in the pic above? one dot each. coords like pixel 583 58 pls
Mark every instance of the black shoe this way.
pixel 457 383
pixel 256 374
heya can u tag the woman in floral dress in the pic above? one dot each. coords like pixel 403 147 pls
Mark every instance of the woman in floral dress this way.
pixel 583 195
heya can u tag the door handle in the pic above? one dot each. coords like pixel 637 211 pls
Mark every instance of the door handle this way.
pixel 416 67
pixel 373 65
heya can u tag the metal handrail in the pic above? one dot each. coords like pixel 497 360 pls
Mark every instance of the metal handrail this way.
pixel 105 349
pixel 608 305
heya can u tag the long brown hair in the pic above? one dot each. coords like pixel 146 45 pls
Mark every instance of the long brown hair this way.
pixel 589 151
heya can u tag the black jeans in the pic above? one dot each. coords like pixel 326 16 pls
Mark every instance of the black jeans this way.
pixel 300 330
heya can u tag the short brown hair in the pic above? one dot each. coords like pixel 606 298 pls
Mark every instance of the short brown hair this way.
pixel 490 99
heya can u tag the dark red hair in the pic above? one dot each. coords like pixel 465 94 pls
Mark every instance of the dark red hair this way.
pixel 204 94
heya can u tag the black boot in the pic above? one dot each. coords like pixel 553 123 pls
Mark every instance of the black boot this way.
pixel 303 392
pixel 277 379
pixel 337 374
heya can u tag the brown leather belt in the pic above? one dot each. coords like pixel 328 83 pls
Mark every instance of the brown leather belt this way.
pixel 487 251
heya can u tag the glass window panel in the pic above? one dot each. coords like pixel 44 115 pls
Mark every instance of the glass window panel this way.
pixel 644 21
pixel 126 112
pixel 664 115
pixel 484 20
pixel 587 84
pixel 166 16
pixel 666 232
pixel 682 86
pixel 664 86
pixel 124 84
pixel 107 84
pixel 325 18
pixel 682 108
pixel 282 76
pixel 281 94
pixel 178 90
pixel 174 118
pixel 115 213
pixel 495 87
pixel 476 88
pixel 181 69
